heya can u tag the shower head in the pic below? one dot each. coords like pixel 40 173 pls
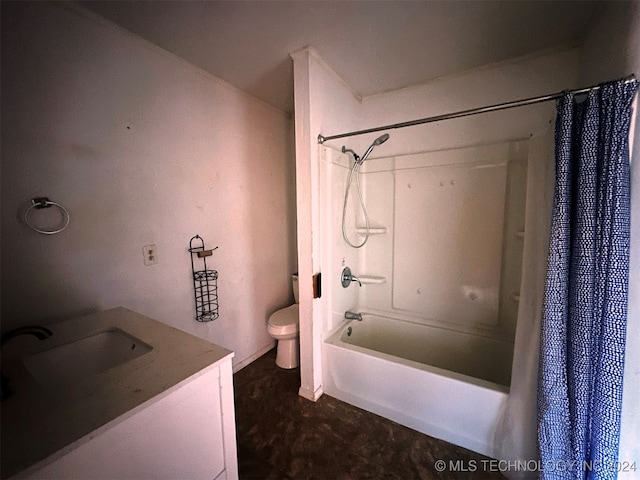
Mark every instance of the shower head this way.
pixel 381 139
pixel 378 141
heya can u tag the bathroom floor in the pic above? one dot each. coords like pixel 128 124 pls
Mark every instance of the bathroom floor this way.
pixel 283 436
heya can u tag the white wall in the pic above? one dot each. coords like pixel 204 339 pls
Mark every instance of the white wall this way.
pixel 611 51
pixel 322 102
pixel 141 148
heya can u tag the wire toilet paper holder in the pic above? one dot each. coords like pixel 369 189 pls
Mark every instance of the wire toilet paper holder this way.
pixel 205 281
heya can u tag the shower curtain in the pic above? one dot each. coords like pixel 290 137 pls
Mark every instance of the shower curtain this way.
pixel 585 306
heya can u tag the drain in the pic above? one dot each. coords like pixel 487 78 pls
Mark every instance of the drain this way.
pixel 349 330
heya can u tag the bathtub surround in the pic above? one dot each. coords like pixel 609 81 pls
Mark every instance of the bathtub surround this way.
pixel 430 195
pixel 142 148
pixel 494 84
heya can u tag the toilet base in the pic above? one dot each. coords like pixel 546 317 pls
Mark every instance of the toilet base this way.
pixel 288 353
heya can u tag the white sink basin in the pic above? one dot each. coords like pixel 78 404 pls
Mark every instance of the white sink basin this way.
pixel 85 356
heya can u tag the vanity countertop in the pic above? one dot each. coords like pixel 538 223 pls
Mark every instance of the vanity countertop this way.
pixel 38 421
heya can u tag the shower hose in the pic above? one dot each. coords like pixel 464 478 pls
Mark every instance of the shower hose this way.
pixel 354 169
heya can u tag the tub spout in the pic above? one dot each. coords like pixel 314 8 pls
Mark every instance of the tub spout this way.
pixel 353 316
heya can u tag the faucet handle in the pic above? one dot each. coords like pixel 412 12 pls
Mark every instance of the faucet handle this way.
pixel 347 278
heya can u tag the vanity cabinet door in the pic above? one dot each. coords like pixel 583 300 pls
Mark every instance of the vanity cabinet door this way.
pixel 178 434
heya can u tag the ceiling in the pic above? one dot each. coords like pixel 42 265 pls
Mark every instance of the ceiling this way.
pixel 375 46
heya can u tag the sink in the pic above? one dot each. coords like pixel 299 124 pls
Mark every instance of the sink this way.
pixel 85 356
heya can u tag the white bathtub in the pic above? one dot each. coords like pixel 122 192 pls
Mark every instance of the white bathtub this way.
pixel 446 384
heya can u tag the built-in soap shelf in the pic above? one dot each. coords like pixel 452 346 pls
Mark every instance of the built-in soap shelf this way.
pixel 372 279
pixel 515 297
pixel 520 234
pixel 372 230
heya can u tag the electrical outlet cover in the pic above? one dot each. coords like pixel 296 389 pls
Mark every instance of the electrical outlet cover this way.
pixel 150 254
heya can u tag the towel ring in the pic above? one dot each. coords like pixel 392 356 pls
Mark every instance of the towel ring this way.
pixel 43 202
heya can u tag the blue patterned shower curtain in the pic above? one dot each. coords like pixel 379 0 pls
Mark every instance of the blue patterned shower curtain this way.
pixel 585 306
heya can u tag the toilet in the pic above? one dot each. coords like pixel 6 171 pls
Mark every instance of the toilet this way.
pixel 283 326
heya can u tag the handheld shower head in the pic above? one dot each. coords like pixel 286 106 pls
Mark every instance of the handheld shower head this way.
pixel 381 139
pixel 378 141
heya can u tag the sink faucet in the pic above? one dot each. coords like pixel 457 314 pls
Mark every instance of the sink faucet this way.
pixel 353 316
pixel 39 332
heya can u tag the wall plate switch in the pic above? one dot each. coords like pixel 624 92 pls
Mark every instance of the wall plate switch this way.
pixel 150 254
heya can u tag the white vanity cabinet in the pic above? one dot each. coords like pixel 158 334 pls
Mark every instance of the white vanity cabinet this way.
pixel 184 427
pixel 189 433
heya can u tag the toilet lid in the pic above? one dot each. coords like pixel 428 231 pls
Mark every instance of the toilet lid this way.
pixel 284 317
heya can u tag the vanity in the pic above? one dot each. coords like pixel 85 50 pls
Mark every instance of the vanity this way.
pixel 118 395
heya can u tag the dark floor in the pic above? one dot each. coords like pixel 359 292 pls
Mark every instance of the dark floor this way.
pixel 283 436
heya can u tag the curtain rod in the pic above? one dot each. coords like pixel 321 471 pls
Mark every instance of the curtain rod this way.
pixel 473 111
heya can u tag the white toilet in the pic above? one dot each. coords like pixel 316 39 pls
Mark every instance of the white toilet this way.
pixel 283 326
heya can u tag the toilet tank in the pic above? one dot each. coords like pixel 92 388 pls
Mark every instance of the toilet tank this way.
pixel 294 279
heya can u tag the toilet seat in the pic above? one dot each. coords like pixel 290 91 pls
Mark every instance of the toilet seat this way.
pixel 284 321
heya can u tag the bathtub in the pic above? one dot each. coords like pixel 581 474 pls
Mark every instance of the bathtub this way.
pixel 446 384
